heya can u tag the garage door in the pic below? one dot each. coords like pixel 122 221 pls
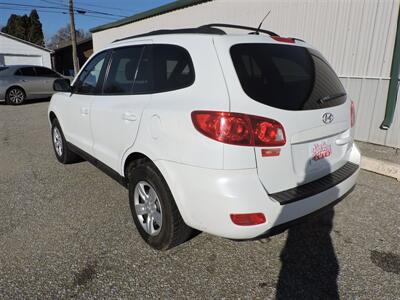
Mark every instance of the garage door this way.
pixel 10 59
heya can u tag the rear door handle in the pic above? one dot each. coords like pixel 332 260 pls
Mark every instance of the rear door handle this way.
pixel 84 111
pixel 127 116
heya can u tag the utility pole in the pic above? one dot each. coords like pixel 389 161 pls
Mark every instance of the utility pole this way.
pixel 73 37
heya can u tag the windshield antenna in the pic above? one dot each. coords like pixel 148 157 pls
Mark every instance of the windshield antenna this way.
pixel 259 26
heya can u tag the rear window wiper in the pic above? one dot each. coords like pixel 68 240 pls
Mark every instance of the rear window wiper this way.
pixel 330 97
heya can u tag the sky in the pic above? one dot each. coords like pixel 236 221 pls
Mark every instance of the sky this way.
pixel 52 18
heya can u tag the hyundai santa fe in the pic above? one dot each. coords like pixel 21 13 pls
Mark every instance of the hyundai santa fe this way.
pixel 237 135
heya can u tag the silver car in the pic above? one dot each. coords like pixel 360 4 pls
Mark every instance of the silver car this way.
pixel 21 82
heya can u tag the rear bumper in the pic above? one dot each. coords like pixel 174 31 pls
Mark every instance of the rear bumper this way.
pixel 206 198
pixel 316 187
pixel 282 227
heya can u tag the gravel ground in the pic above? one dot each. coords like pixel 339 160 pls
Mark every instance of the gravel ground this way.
pixel 66 231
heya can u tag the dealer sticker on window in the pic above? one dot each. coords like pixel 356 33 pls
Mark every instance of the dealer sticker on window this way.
pixel 320 150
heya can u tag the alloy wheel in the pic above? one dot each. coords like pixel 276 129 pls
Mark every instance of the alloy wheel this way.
pixel 148 208
pixel 16 96
pixel 57 140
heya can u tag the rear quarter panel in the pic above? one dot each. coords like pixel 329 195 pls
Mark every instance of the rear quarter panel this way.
pixel 166 130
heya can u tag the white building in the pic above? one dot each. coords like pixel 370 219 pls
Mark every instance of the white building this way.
pixel 14 51
pixel 356 36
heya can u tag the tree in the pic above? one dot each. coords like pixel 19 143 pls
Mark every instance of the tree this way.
pixel 16 26
pixel 63 37
pixel 35 32
pixel 28 28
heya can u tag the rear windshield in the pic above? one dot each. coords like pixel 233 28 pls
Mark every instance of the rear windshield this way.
pixel 287 77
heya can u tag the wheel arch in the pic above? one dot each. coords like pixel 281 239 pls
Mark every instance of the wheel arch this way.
pixel 52 116
pixel 132 158
pixel 16 86
pixel 139 156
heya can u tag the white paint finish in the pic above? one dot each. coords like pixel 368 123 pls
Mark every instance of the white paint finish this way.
pixel 237 191
pixel 15 52
pixel 237 157
pixel 193 165
pixel 302 127
pixel 178 140
pixel 73 113
pixel 356 36
pixel 114 122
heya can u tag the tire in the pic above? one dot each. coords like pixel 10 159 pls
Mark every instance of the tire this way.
pixel 63 154
pixel 164 233
pixel 15 96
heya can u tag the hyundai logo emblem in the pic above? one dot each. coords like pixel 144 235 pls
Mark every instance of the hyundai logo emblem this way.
pixel 327 118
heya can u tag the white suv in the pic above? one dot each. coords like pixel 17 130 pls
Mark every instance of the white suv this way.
pixel 238 135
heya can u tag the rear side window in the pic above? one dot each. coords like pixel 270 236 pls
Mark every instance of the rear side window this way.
pixel 144 78
pixel 27 71
pixel 123 70
pixel 45 72
pixel 286 77
pixel 173 68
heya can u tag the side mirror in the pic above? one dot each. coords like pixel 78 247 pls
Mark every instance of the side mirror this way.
pixel 62 85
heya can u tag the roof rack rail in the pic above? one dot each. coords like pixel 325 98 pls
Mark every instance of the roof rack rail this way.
pixel 254 30
pixel 201 29
pixel 204 29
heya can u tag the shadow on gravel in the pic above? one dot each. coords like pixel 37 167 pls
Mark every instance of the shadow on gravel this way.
pixel 309 264
pixel 387 261
pixel 85 275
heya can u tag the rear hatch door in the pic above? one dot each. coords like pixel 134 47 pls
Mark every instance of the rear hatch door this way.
pixel 297 87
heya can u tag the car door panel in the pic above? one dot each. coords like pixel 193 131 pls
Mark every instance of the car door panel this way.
pixel 121 106
pixel 76 126
pixel 78 104
pixel 114 137
pixel 48 85
pixel 47 77
pixel 28 80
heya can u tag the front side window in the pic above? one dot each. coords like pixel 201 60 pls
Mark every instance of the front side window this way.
pixel 173 68
pixel 88 81
pixel 286 77
pixel 122 71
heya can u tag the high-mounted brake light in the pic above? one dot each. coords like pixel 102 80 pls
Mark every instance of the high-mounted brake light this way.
pixel 283 39
pixel 353 114
pixel 248 219
pixel 239 129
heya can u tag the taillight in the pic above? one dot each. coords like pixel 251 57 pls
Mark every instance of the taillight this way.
pixel 239 129
pixel 353 114
pixel 248 219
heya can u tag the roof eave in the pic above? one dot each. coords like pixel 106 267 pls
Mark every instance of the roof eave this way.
pixel 25 42
pixel 149 13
